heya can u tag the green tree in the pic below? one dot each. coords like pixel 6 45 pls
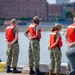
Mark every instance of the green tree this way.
pixel 69 15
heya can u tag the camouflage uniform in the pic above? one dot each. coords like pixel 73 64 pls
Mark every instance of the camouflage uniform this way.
pixel 13 52
pixel 55 56
pixel 34 53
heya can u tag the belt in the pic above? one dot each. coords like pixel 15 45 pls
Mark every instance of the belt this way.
pixel 36 39
pixel 15 42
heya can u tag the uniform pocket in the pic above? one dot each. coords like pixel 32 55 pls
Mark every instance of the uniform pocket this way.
pixel 8 52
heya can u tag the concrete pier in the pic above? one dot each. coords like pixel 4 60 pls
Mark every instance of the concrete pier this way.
pixel 45 68
pixel 42 67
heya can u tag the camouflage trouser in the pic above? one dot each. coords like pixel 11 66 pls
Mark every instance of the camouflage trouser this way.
pixel 12 55
pixel 55 56
pixel 34 53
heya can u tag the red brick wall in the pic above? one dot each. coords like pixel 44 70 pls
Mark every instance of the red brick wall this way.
pixel 23 8
pixel 55 9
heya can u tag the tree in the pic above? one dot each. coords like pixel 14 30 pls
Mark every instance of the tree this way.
pixel 69 15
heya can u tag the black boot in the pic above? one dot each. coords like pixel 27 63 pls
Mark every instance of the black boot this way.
pixel 0 60
pixel 31 71
pixel 15 70
pixel 8 69
pixel 38 72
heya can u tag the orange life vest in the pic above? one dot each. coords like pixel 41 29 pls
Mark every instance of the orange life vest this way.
pixel 53 39
pixel 9 33
pixel 32 31
pixel 71 33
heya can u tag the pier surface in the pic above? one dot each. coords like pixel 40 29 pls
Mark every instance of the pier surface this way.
pixel 42 67
pixel 20 74
pixel 4 73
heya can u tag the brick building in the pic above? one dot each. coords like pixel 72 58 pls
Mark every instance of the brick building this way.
pixel 71 7
pixel 23 8
pixel 55 11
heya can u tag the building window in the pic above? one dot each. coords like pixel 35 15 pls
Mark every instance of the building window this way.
pixel 35 13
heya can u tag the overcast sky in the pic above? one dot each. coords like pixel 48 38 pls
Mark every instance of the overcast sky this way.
pixel 53 1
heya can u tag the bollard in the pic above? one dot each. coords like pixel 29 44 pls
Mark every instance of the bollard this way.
pixel 71 57
pixel 2 66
